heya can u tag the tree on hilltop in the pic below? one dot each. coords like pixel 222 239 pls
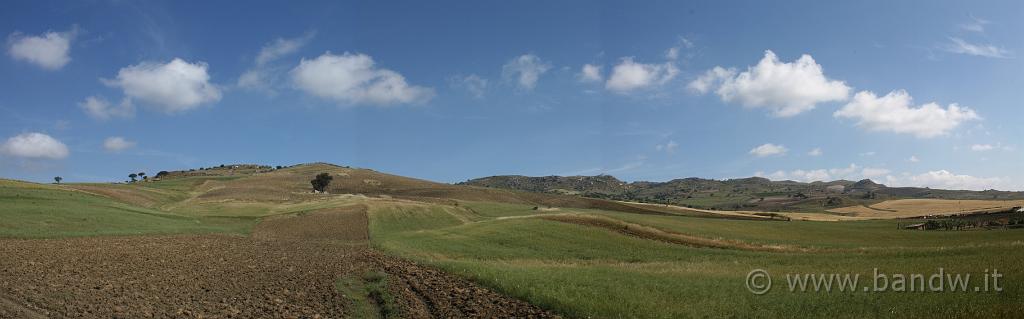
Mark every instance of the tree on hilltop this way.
pixel 58 179
pixel 133 176
pixel 321 182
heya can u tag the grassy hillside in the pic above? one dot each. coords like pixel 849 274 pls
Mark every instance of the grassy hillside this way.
pixel 30 210
pixel 229 199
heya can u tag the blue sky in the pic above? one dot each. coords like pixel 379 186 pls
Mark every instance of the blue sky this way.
pixel 905 93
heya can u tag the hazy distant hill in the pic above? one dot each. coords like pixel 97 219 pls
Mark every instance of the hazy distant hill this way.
pixel 754 193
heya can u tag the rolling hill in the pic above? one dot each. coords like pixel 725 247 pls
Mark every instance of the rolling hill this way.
pixel 754 193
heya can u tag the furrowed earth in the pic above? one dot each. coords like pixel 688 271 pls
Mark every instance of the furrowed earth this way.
pixel 250 241
pixel 288 268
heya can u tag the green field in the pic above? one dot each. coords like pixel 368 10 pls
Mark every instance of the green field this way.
pixel 38 211
pixel 583 271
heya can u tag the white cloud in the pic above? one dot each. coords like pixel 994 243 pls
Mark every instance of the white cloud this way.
pixel 976 25
pixel 171 87
pixel 852 172
pixel 50 51
pixel 913 159
pixel 526 69
pixel 944 179
pixel 264 77
pixel 117 144
pixel 815 152
pixel 256 78
pixel 353 78
pixel 472 83
pixel 894 112
pixel 809 175
pixel 868 153
pixel 982 147
pixel 629 75
pixel 282 47
pixel 768 150
pixel 99 108
pixel 669 147
pixel 843 172
pixel 673 52
pixel 960 46
pixel 590 73
pixel 34 146
pixel 787 89
pixel 797 175
pixel 711 79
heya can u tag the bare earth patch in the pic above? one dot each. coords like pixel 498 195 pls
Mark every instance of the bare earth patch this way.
pixel 289 269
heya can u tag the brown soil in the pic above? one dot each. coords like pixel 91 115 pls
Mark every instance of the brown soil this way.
pixel 288 269
pixel 426 292
pixel 348 223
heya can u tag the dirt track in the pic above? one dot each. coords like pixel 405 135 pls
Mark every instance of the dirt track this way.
pixel 275 274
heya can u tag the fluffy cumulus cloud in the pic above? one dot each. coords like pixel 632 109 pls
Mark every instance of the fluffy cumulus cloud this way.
pixel 355 79
pixel 630 75
pixel 34 146
pixel 896 113
pixel 787 89
pixel 590 73
pixel 960 46
pixel 262 75
pixel 944 179
pixel 171 87
pixel 474 84
pixel 50 50
pixel 99 108
pixel 117 144
pixel 769 149
pixel 525 70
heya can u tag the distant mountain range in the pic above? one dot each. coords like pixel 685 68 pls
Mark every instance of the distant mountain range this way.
pixel 753 193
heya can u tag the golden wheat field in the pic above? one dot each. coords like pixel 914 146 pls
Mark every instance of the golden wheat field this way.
pixel 901 208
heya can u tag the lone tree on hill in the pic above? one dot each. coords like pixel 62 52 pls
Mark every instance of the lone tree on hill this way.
pixel 58 179
pixel 321 182
pixel 132 176
pixel 161 174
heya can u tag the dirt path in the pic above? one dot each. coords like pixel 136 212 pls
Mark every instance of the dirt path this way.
pixel 287 269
